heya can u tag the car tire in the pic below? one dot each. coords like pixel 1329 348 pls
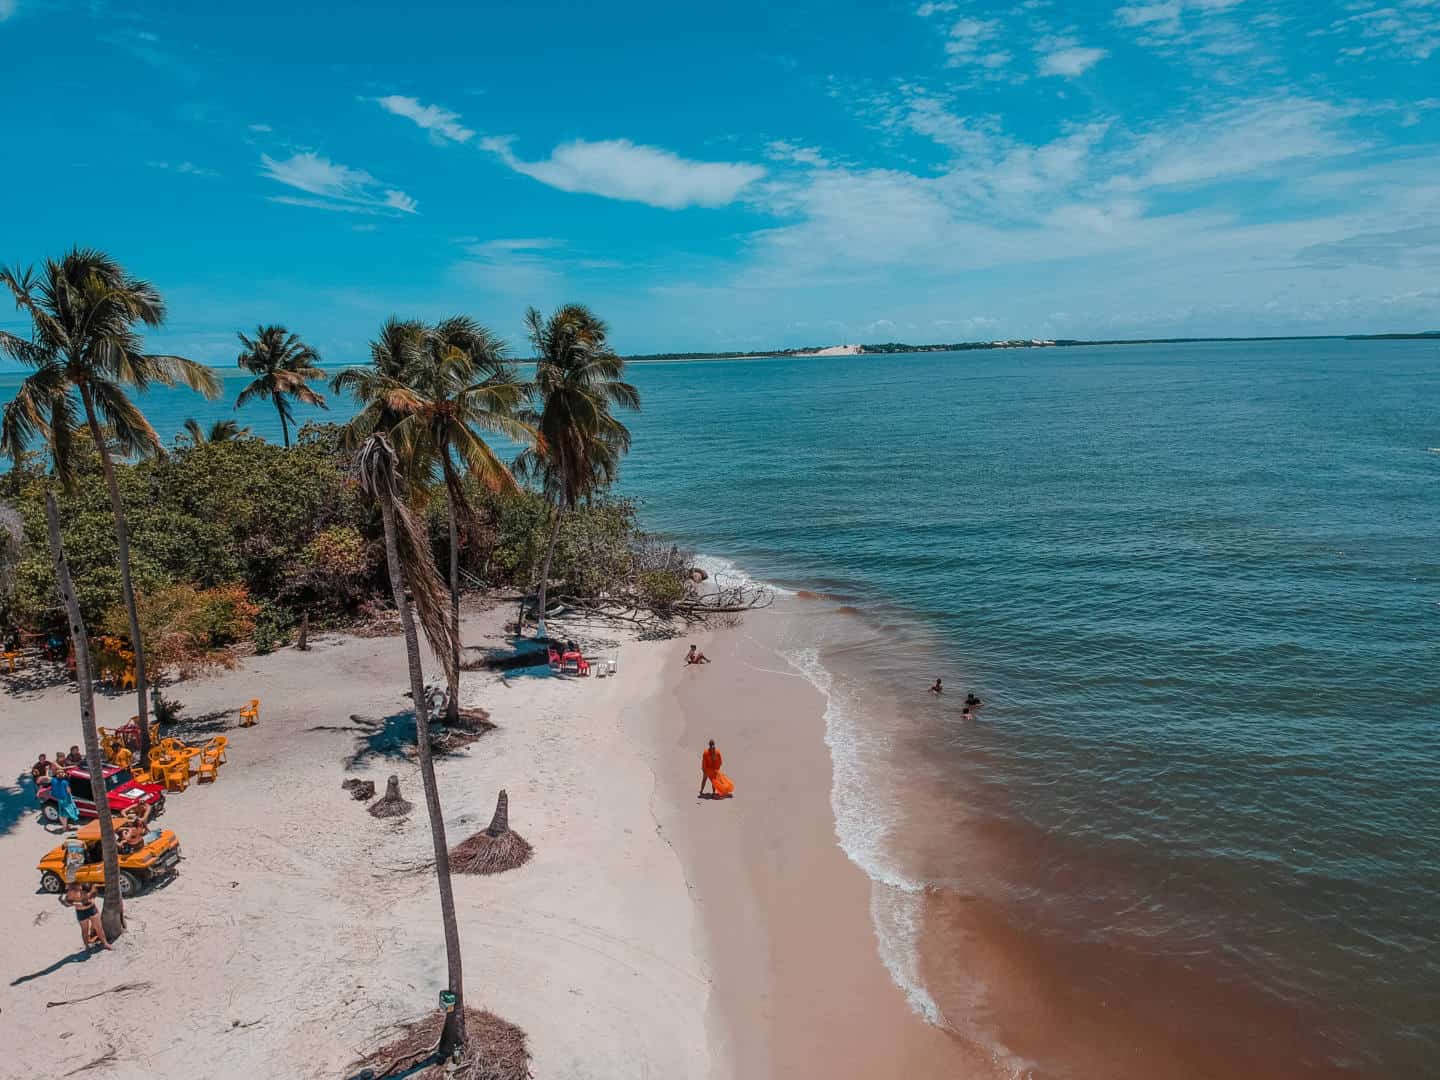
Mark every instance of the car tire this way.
pixel 129 885
pixel 51 882
pixel 50 812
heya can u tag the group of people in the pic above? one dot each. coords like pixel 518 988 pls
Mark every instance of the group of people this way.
pixel 972 703
pixel 60 784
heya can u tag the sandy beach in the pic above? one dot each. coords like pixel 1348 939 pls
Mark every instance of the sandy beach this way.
pixel 653 933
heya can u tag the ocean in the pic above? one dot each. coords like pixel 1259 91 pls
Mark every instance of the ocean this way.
pixel 1194 831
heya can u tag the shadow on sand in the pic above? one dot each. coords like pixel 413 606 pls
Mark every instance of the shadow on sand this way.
pixel 73 958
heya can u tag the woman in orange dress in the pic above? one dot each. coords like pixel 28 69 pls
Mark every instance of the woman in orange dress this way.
pixel 720 785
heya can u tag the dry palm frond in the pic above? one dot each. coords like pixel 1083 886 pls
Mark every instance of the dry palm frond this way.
pixel 391 804
pixel 377 467
pixel 495 850
pixel 494 1050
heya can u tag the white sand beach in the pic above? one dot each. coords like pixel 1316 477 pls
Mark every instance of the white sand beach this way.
pixel 652 934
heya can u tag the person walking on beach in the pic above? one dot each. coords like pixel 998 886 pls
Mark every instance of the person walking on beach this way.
pixel 82 899
pixel 937 688
pixel 721 786
pixel 695 656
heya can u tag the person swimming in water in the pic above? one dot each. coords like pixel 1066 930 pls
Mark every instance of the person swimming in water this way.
pixel 971 701
pixel 937 688
pixel 695 656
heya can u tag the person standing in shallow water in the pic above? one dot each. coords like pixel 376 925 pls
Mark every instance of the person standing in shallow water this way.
pixel 721 786
pixel 937 688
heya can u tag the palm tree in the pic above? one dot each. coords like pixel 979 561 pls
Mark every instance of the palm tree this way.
pixel 381 386
pixel 219 432
pixel 83 311
pixel 412 565
pixel 284 366
pixel 453 384
pixel 579 441
pixel 112 916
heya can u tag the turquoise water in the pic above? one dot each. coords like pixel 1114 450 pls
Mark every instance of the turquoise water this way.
pixel 1198 587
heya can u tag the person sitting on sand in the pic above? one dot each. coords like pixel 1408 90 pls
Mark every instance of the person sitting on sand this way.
pixel 971 701
pixel 40 769
pixel 721 786
pixel 82 899
pixel 937 688
pixel 695 656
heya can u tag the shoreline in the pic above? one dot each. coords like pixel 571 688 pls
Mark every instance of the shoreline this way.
pixel 799 985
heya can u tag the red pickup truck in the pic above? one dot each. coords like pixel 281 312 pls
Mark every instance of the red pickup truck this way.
pixel 122 791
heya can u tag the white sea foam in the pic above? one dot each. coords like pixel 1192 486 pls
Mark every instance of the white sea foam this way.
pixel 723 569
pixel 895 899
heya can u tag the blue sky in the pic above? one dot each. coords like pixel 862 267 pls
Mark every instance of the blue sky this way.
pixel 739 176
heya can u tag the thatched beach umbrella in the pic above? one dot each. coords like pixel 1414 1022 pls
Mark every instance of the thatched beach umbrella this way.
pixel 391 804
pixel 495 850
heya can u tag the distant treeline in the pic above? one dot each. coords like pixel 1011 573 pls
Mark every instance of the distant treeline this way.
pixel 965 346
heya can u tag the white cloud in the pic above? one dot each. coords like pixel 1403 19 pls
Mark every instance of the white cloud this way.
pixel 443 124
pixel 795 153
pixel 621 169
pixel 972 41
pixel 1067 58
pixel 7 9
pixel 932 7
pixel 1405 28
pixel 337 186
pixel 188 168
pixel 261 129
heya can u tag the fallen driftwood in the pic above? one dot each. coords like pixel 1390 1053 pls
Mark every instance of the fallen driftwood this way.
pixel 106 1058
pixel 122 988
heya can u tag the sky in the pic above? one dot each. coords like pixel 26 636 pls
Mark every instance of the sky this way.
pixel 737 177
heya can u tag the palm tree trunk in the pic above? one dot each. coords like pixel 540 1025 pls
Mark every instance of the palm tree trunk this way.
pixel 112 916
pixel 127 587
pixel 452 707
pixel 454 1034
pixel 284 427
pixel 545 572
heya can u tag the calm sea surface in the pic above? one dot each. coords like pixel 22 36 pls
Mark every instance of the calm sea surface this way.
pixel 1198 587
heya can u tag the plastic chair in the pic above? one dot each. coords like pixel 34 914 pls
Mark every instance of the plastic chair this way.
pixel 220 742
pixel 177 775
pixel 158 758
pixel 582 666
pixel 250 714
pixel 170 745
pixel 209 766
pixel 124 757
pixel 556 664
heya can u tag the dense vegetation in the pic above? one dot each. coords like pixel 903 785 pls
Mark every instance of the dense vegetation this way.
pixel 288 527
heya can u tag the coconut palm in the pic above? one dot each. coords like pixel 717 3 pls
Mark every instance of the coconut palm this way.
pixel 112 915
pixel 83 310
pixel 219 432
pixel 579 441
pixel 381 385
pixel 456 387
pixel 284 366
pixel 418 591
